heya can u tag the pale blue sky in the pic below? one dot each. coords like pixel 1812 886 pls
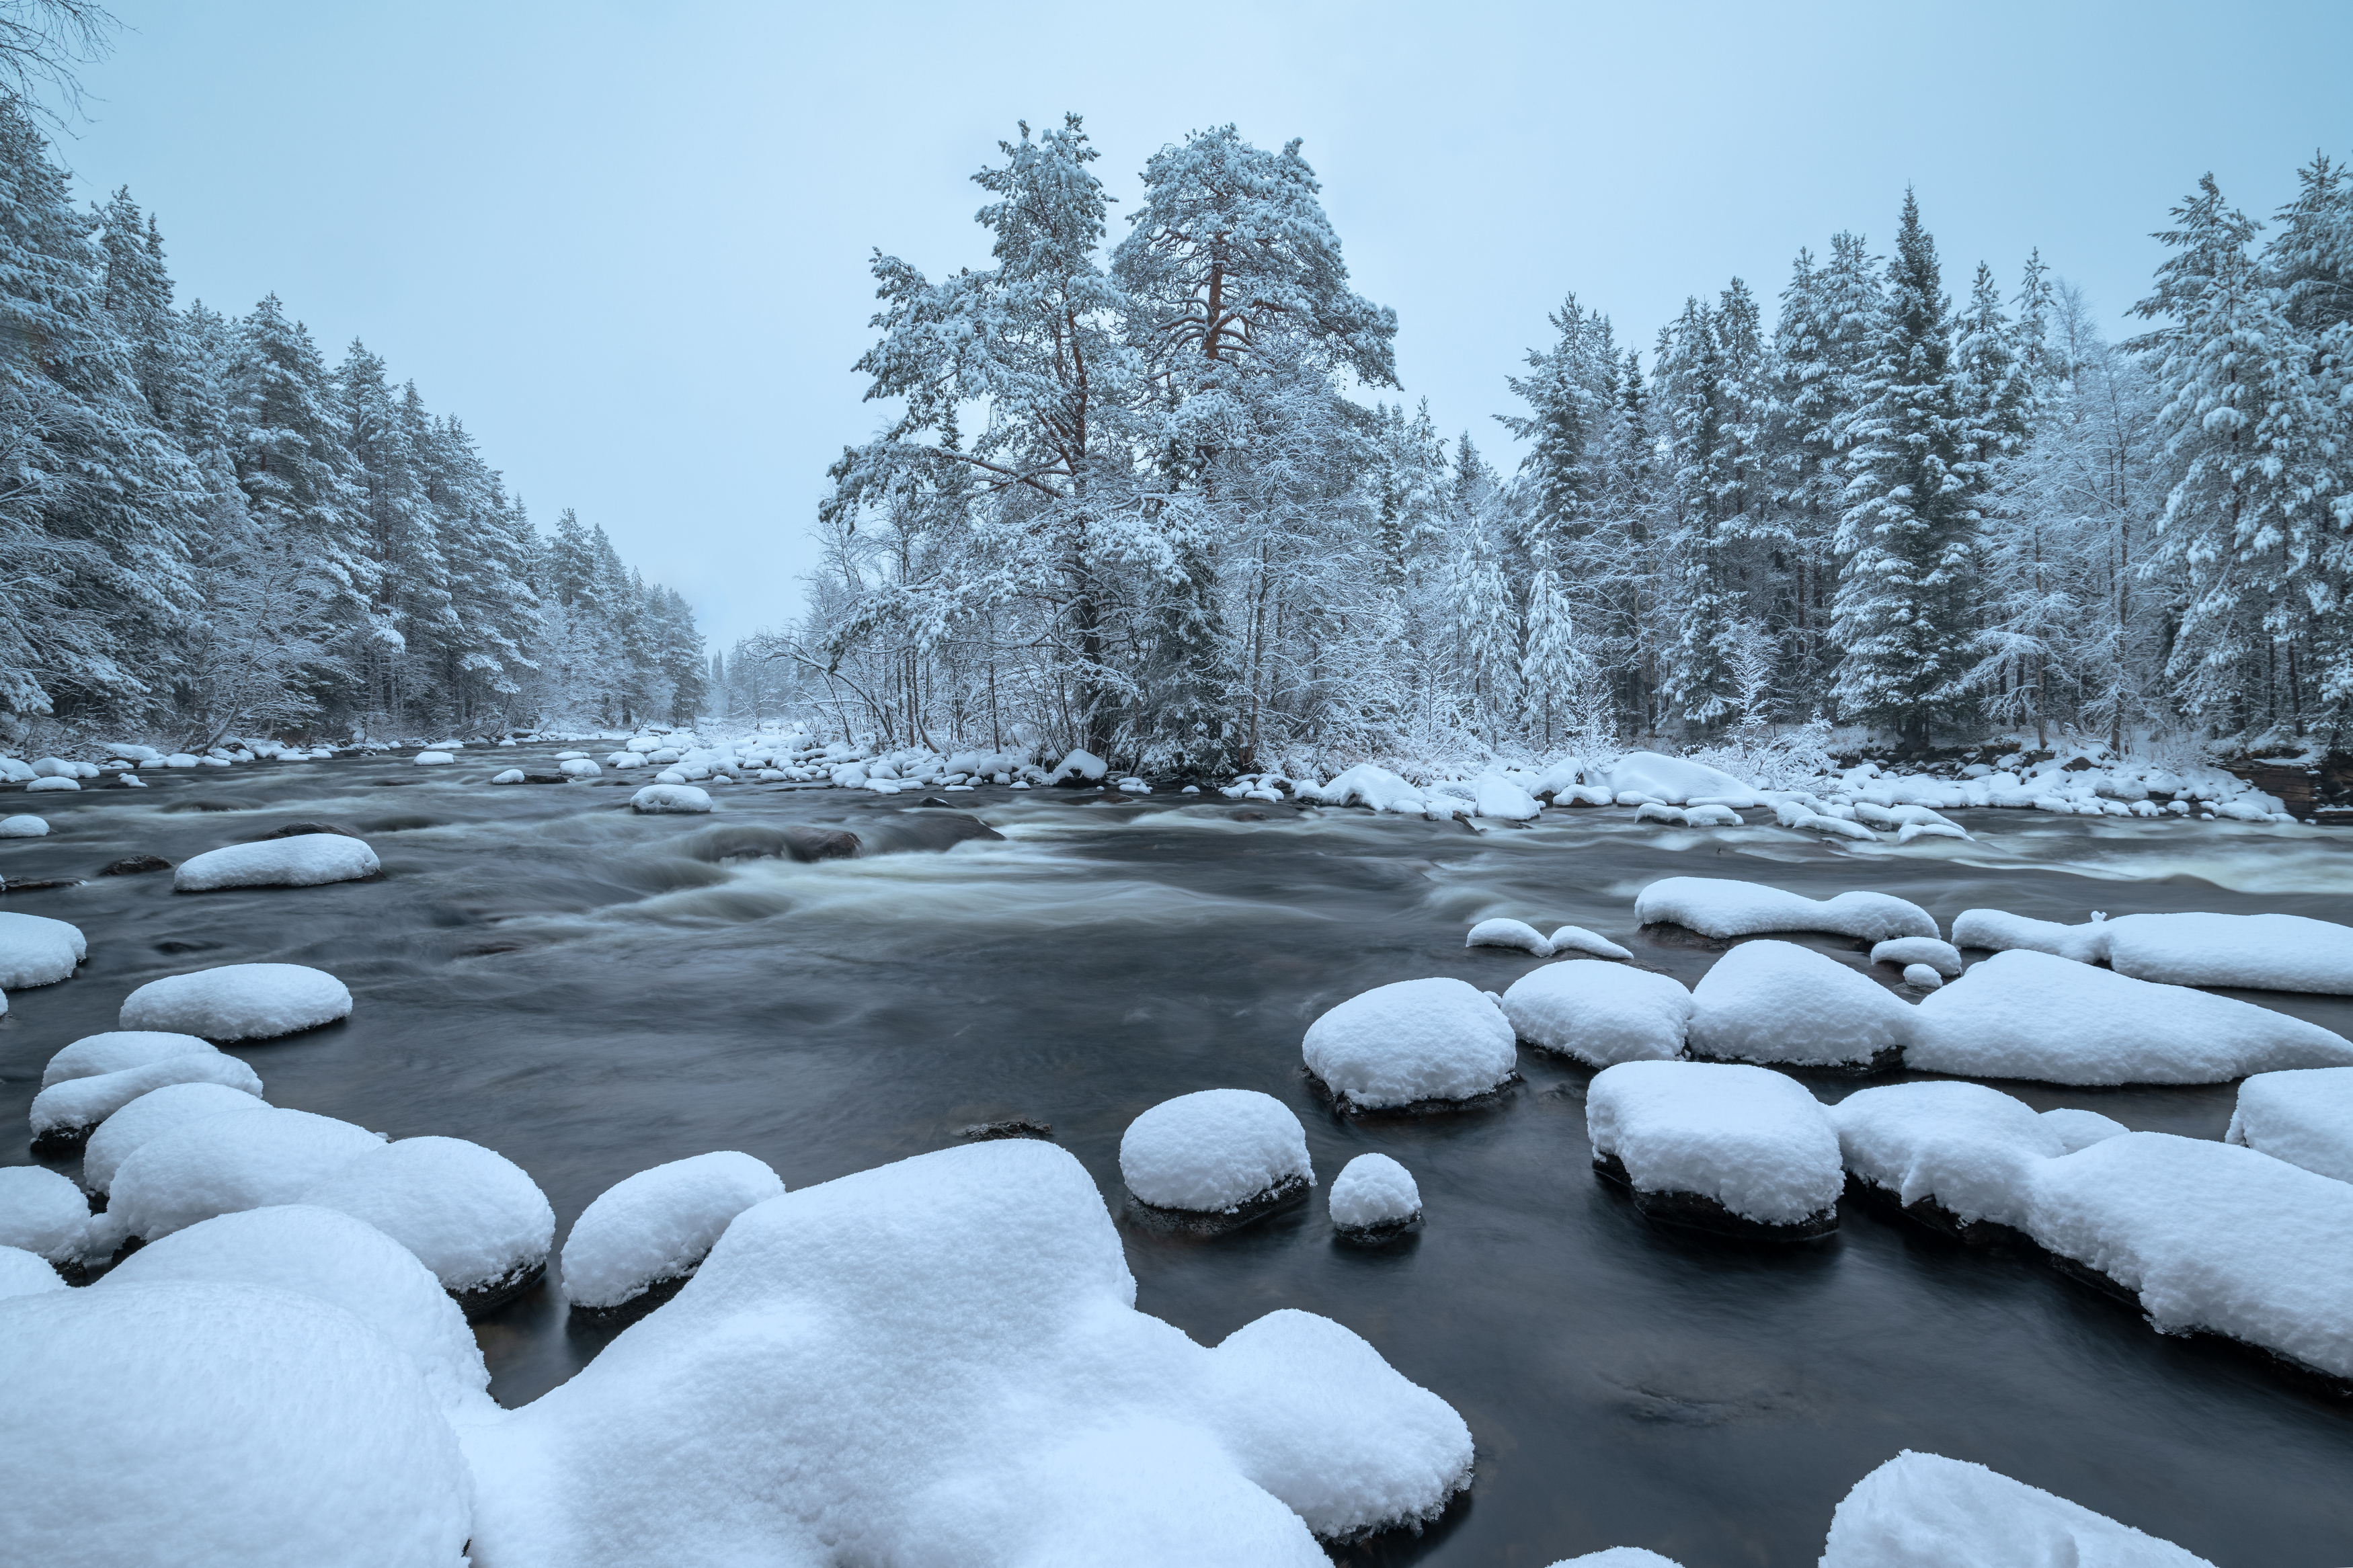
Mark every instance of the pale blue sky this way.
pixel 627 244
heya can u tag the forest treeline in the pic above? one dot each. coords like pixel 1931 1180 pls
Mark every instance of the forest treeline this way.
pixel 1140 493
pixel 206 531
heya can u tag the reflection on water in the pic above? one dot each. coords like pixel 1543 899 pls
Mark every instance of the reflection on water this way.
pixel 591 993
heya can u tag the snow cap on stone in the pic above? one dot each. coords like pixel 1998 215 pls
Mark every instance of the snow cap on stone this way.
pixel 1212 1150
pixel 470 1215
pixel 1778 1001
pixel 1409 1041
pixel 239 1002
pixel 1600 1014
pixel 305 860
pixel 1372 1191
pixel 658 1224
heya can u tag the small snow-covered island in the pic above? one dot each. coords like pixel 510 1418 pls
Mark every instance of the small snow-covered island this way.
pixel 1101 883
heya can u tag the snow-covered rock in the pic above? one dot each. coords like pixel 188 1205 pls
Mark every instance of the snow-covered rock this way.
pixel 1971 1150
pixel 507 776
pixel 239 1002
pixel 48 786
pixel 1747 1142
pixel 150 1117
pixel 38 951
pixel 1923 977
pixel 659 1225
pixel 470 1215
pixel 1678 780
pixel 2262 953
pixel 64 1114
pixel 2211 1235
pixel 1924 1510
pixel 1501 798
pixel 2302 1116
pixel 220 1423
pixel 1618 1557
pixel 24 1273
pixel 1215 1151
pixel 23 825
pixel 1373 1193
pixel 665 799
pixel 1904 952
pixel 2023 1014
pixel 41 1213
pixel 1720 907
pixel 1367 786
pixel 1576 939
pixel 2080 1129
pixel 579 768
pixel 1600 1014
pixel 223 1164
pixel 432 759
pixel 1409 1042
pixel 1502 933
pixel 306 860
pixel 940 1362
pixel 1778 1001
pixel 116 1049
pixel 331 1257
pixel 1079 764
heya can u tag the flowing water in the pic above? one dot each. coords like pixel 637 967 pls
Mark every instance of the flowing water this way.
pixel 592 993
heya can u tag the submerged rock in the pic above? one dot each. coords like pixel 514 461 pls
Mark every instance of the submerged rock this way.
pixel 134 865
pixel 1013 1127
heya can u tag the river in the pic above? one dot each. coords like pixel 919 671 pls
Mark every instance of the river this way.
pixel 542 971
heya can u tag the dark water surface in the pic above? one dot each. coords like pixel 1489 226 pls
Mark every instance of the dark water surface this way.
pixel 590 993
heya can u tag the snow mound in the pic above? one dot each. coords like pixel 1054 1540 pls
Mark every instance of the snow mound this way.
pixel 660 799
pixel 23 825
pixel 2302 1116
pixel 1906 950
pixel 1600 1014
pixel 336 1451
pixel 2259 952
pixel 432 759
pixel 41 1211
pixel 1408 1042
pixel 2211 1235
pixel 1367 786
pixel 578 768
pixel 38 951
pixel 117 1050
pixel 1080 764
pixel 1724 909
pixel 1678 780
pixel 940 1362
pixel 307 861
pixel 1971 1149
pixel 151 1116
pixel 1215 1150
pixel 44 785
pixel 507 776
pixel 1752 1142
pixel 24 1273
pixel 1923 977
pixel 1618 1557
pixel 1778 1001
pixel 659 1225
pixel 2028 1014
pixel 330 1258
pixel 1576 939
pixel 239 1002
pixel 1373 1191
pixel 1502 799
pixel 2082 1129
pixel 469 1214
pixel 224 1165
pixel 1924 1510
pixel 1509 934
pixel 65 1113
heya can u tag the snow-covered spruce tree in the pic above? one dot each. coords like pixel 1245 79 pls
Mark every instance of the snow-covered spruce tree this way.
pixel 1240 311
pixel 1908 539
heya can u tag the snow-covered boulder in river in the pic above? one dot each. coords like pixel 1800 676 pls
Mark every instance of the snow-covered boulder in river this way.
pixel 2029 1014
pixel 1576 939
pixel 432 759
pixel 1924 1510
pixel 1724 909
pixel 151 1116
pixel 1678 780
pixel 1600 1014
pixel 38 951
pixel 1505 933
pixel 471 1216
pixel 1775 1002
pixel 337 1452
pixel 24 1273
pixel 64 1114
pixel 1904 951
pixel 330 1258
pixel 941 1385
pixel 1733 1149
pixel 116 1049
pixel 2303 1115
pixel 41 1213
pixel 1217 1151
pixel 1412 1042
pixel 1953 1153
pixel 239 1002
pixel 306 860
pixel 23 825
pixel 2261 952
pixel 665 799
pixel 1374 1196
pixel 655 1227
pixel 224 1165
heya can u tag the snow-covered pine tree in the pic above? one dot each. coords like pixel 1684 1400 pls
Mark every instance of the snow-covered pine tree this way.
pixel 1908 538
